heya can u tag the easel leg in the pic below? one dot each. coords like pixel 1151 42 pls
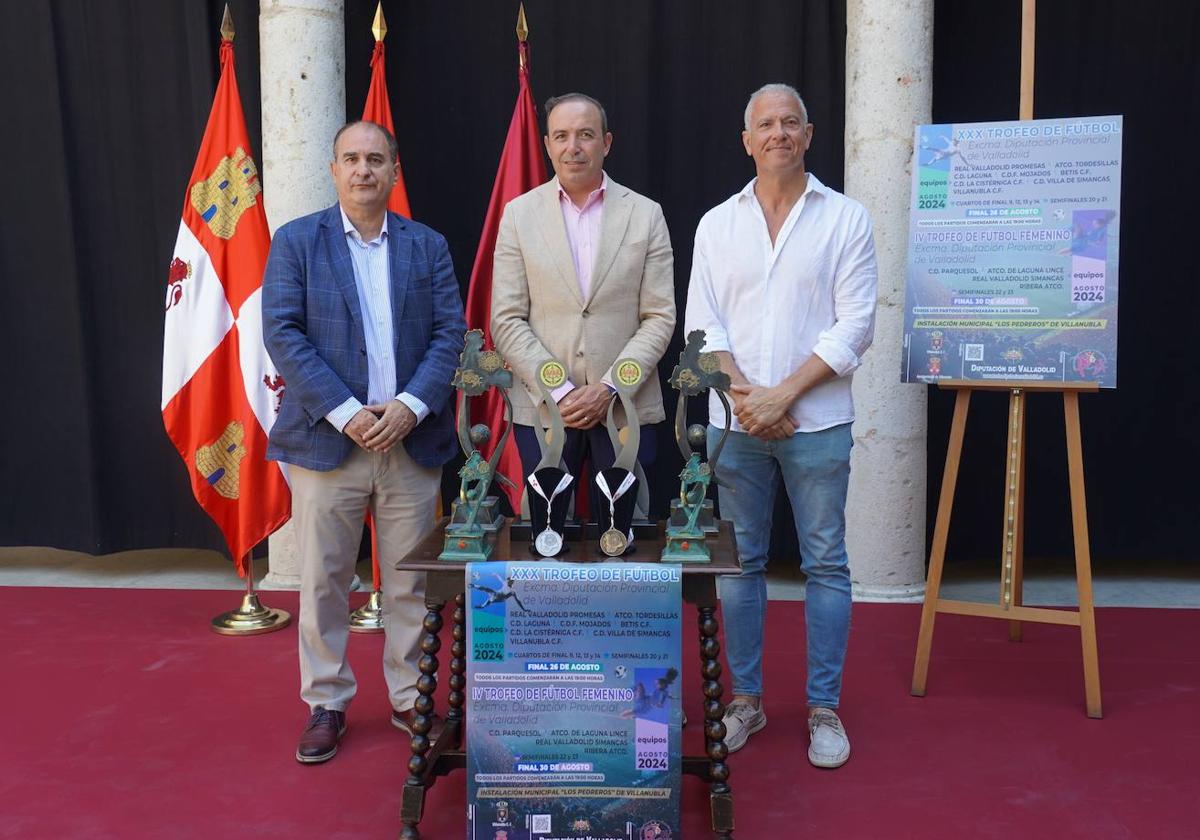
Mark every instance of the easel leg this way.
pixel 941 532
pixel 720 795
pixel 1083 557
pixel 1013 543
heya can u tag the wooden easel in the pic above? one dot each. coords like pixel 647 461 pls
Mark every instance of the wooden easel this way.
pixel 1011 607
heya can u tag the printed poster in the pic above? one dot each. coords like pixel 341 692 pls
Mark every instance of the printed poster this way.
pixel 573 690
pixel 1013 252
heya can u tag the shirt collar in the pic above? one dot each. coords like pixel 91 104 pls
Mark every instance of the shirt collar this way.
pixel 598 192
pixel 351 230
pixel 814 185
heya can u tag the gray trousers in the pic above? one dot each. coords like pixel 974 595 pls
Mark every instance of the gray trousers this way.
pixel 328 509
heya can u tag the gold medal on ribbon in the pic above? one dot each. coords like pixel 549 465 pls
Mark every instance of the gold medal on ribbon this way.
pixel 613 542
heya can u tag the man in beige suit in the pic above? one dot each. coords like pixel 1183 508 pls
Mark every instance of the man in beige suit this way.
pixel 583 273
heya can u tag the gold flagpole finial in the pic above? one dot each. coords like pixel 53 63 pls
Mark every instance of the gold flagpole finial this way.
pixel 522 26
pixel 379 25
pixel 227 25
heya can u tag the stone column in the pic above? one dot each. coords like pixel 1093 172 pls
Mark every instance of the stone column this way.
pixel 889 56
pixel 302 60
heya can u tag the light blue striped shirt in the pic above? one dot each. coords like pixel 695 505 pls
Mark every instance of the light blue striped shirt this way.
pixel 373 281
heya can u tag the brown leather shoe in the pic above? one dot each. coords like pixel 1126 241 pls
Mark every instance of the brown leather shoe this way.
pixel 404 721
pixel 319 740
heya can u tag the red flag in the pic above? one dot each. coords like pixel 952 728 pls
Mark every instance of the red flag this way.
pixel 378 110
pixel 220 391
pixel 522 168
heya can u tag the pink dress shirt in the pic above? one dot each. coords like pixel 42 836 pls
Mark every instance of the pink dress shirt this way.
pixel 583 235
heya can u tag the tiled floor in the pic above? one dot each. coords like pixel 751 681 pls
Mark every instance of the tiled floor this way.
pixel 1050 583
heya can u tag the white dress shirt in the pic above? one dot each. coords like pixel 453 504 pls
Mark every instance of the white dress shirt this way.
pixel 774 306
pixel 373 281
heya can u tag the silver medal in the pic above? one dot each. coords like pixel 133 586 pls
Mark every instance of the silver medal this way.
pixel 548 543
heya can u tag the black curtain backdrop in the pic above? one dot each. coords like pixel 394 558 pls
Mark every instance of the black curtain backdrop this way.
pixel 107 103
pixel 105 123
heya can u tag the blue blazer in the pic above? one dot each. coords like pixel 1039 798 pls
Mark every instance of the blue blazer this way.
pixel 312 326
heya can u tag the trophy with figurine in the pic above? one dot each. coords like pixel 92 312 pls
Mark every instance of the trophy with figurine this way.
pixel 691 519
pixel 475 518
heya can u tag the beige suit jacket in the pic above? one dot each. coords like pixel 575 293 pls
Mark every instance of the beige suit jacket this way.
pixel 538 309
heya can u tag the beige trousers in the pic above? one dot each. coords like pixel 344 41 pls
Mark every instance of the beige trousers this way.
pixel 328 509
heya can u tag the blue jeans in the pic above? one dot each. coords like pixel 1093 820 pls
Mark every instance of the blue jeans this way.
pixel 815 468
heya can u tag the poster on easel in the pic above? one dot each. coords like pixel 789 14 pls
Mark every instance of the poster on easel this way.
pixel 1013 251
pixel 573 701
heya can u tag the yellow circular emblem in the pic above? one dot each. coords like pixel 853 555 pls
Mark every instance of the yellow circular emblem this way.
pixel 552 374
pixel 629 372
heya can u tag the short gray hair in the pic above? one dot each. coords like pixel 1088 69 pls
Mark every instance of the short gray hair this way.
pixel 773 87
pixel 393 146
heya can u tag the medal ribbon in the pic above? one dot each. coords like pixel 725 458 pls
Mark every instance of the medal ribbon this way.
pixel 563 484
pixel 612 497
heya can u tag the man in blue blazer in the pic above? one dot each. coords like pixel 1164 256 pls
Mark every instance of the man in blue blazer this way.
pixel 362 316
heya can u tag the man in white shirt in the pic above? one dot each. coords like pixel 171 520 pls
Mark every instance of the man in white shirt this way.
pixel 784 285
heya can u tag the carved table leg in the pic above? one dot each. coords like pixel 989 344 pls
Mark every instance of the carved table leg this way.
pixel 455 720
pixel 412 803
pixel 720 794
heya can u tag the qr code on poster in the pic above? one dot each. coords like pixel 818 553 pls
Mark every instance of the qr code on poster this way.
pixel 973 352
pixel 539 823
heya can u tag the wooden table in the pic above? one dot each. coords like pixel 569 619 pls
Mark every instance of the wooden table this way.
pixel 444 582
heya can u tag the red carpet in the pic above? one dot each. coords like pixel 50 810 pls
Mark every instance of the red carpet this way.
pixel 125 717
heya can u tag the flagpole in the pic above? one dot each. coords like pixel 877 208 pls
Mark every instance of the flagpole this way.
pixel 251 618
pixel 369 617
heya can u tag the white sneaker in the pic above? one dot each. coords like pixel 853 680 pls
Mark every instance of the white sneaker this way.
pixel 741 721
pixel 828 745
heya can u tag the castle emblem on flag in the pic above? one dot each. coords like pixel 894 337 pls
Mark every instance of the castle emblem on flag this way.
pixel 219 461
pixel 176 274
pixel 227 193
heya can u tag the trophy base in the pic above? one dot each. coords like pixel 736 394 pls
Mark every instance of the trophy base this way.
pixel 684 547
pixel 706 521
pixel 474 547
pixel 488 518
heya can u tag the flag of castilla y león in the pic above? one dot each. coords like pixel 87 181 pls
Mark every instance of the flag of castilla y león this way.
pixel 220 391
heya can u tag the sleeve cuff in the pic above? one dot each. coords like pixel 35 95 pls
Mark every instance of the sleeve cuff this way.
pixel 562 390
pixel 836 355
pixel 417 406
pixel 344 413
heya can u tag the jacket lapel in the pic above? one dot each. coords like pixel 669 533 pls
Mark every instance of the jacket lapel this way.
pixel 343 270
pixel 613 224
pixel 554 232
pixel 400 268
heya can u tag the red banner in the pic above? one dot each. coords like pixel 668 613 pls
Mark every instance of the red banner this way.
pixel 522 167
pixel 379 110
